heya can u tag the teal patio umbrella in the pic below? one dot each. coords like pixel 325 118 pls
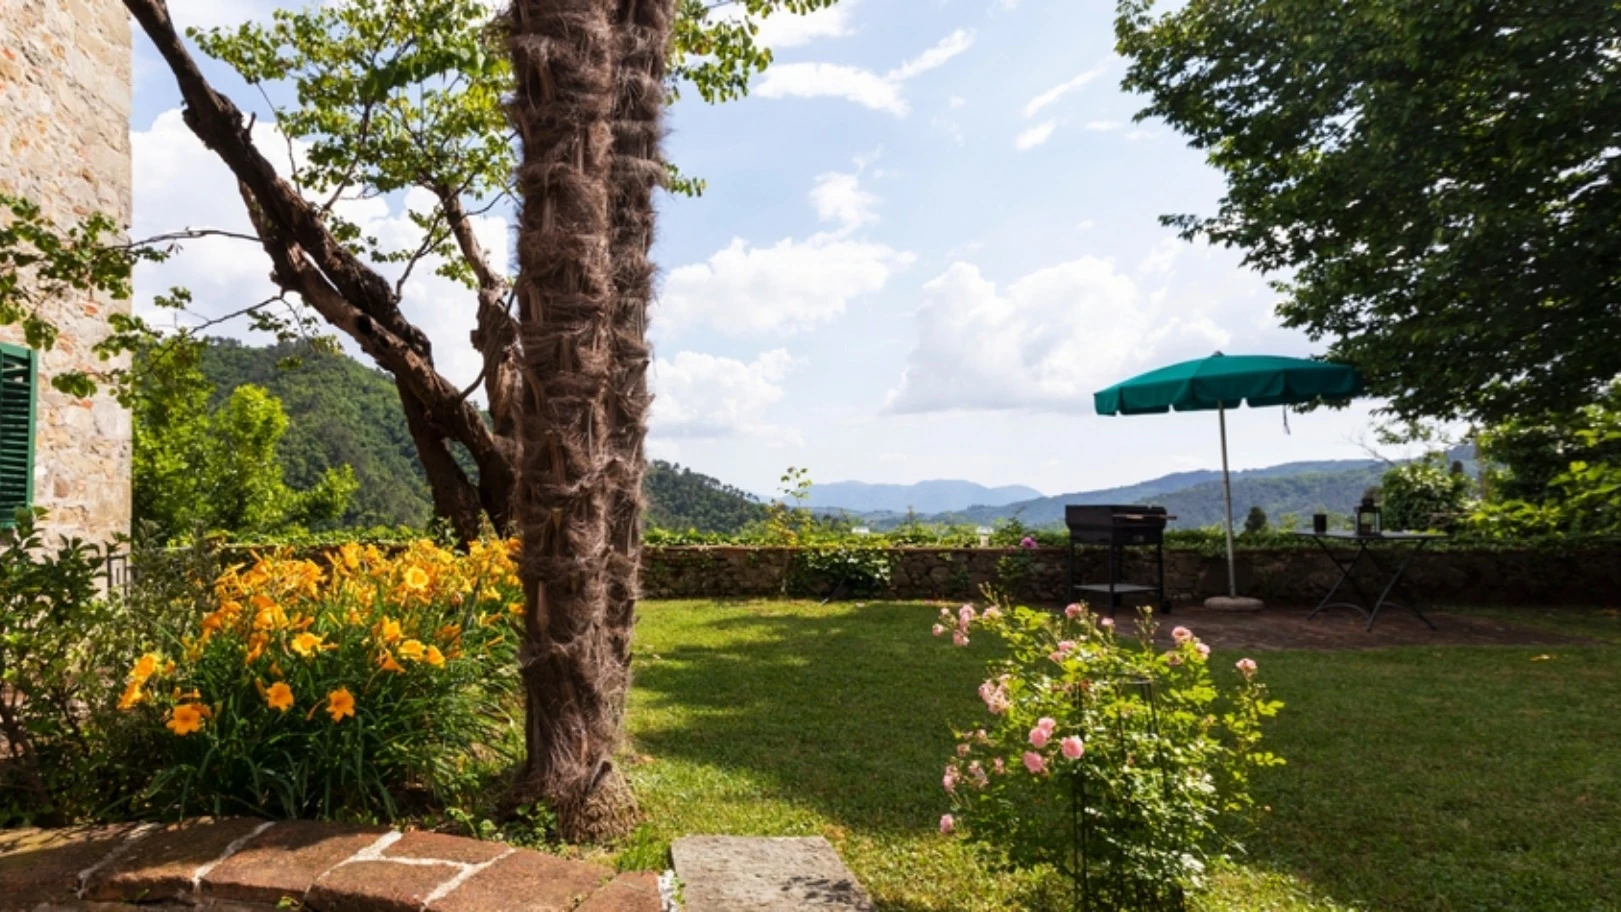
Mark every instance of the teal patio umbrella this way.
pixel 1222 382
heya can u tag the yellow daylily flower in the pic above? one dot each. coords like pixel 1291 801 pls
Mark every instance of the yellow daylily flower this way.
pixel 279 696
pixel 416 578
pixel 187 718
pixel 307 644
pixel 388 630
pixel 411 649
pixel 145 667
pixel 434 657
pixel 340 703
pixel 133 696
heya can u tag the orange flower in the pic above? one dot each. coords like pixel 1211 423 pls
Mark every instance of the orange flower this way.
pixel 416 578
pixel 411 649
pixel 449 632
pixel 279 696
pixel 387 663
pixel 388 630
pixel 145 667
pixel 256 647
pixel 187 718
pixel 515 608
pixel 434 657
pixel 340 703
pixel 307 644
pixel 132 696
pixel 351 555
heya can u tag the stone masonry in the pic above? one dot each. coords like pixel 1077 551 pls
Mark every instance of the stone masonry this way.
pixel 244 865
pixel 64 144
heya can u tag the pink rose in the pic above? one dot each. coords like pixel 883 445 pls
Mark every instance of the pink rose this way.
pixel 947 823
pixel 991 613
pixel 1038 737
pixel 1034 762
pixel 1074 611
pixel 958 638
pixel 1247 666
pixel 962 750
pixel 1204 651
pixel 1047 724
pixel 1027 542
pixel 982 737
pixel 949 780
pixel 1174 658
pixel 977 774
pixel 1107 622
pixel 1181 634
pixel 998 767
pixel 965 616
pixel 945 613
pixel 939 630
pixel 1072 747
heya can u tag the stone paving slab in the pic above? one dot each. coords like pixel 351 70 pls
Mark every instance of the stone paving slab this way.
pixel 760 874
pixel 634 891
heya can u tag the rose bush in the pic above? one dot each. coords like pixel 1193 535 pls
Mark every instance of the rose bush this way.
pixel 1105 758
pixel 341 690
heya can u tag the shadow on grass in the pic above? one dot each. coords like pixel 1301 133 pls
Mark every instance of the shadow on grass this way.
pixel 844 708
pixel 1418 778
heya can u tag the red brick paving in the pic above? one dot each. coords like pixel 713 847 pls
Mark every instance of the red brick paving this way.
pixel 249 866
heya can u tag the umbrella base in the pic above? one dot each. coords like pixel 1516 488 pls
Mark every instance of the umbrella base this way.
pixel 1233 603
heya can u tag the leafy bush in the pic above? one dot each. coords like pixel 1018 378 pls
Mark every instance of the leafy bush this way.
pixel 339 691
pixel 840 570
pixel 1160 753
pixel 49 611
pixel 1424 494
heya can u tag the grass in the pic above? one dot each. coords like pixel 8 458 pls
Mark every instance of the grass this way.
pixel 1418 779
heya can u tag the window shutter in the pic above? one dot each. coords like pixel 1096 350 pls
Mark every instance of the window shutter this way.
pixel 18 402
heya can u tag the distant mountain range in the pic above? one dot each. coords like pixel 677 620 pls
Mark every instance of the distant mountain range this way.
pixel 939 496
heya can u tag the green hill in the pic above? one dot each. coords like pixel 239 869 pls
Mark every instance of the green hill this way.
pixel 341 412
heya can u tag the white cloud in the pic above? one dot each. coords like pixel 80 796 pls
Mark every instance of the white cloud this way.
pixel 702 395
pixel 948 47
pixel 858 85
pixel 794 284
pixel 833 80
pixel 785 29
pixel 1035 136
pixel 1135 135
pixel 1046 342
pixel 1103 126
pixel 1086 225
pixel 1052 95
pixel 957 101
pixel 839 198
pixel 789 286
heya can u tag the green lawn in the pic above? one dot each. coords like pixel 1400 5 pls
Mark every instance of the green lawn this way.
pixel 1433 779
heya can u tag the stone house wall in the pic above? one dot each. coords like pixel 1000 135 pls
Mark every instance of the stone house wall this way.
pixel 65 95
pixel 1292 576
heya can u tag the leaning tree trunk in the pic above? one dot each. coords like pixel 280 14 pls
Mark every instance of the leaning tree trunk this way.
pixel 562 55
pixel 642 44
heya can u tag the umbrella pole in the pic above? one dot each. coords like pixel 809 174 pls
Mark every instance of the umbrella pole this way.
pixel 1227 493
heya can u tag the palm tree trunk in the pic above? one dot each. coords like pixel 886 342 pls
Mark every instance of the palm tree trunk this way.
pixel 642 40
pixel 562 54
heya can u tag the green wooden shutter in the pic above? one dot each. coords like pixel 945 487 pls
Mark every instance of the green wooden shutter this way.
pixel 18 402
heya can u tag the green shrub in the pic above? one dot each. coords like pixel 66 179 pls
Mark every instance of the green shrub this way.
pixel 840 570
pixel 1424 494
pixel 50 666
pixel 1159 744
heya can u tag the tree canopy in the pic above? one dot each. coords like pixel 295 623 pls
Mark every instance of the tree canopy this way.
pixel 1438 184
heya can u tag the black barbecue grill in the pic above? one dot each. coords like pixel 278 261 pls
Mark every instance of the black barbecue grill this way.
pixel 1118 527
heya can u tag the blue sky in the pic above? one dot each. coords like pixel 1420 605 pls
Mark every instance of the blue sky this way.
pixel 930 233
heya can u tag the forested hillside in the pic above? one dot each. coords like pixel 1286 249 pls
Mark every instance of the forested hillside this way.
pixel 682 500
pixel 341 412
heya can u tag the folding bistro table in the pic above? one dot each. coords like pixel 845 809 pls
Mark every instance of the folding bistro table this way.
pixel 1418 540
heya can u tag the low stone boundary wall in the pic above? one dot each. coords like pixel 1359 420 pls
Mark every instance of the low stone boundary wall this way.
pixel 243 865
pixel 1285 575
